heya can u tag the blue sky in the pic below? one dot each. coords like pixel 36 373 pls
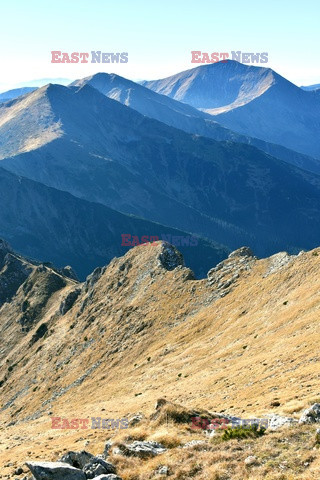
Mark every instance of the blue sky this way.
pixel 158 36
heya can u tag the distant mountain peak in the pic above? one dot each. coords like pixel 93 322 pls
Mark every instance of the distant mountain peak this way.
pixel 250 100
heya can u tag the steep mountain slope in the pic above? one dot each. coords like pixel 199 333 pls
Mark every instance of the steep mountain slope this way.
pixel 180 115
pixel 82 142
pixel 253 101
pixel 45 223
pixel 141 329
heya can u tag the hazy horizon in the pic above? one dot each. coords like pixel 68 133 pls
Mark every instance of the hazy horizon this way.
pixel 158 38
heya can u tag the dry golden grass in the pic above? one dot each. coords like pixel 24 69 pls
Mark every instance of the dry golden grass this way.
pixel 289 453
pixel 169 338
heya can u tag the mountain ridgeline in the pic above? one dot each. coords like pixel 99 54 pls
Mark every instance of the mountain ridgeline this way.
pixel 253 101
pixel 120 152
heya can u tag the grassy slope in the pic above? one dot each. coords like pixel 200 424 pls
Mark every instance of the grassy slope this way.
pixel 182 328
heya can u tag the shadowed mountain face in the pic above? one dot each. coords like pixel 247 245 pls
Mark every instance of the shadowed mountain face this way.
pixel 52 225
pixel 253 101
pixel 78 140
pixel 183 116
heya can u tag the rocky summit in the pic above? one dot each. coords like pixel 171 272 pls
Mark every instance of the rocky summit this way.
pixel 229 360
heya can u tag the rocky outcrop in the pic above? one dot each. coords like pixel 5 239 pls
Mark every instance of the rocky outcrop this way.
pixel 140 449
pixel 277 421
pixel 170 258
pixel 311 415
pixel 69 273
pixel 69 301
pixel 277 261
pixel 223 278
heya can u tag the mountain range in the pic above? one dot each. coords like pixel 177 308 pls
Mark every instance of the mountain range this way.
pixel 160 335
pixel 253 101
pixel 183 116
pixel 111 143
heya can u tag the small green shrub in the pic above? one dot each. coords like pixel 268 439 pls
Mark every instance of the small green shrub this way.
pixel 250 431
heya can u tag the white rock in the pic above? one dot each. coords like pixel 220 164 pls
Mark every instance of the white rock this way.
pixel 250 460
pixel 311 415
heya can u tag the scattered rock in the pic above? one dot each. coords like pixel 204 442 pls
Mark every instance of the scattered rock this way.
pixel 110 476
pixel 141 449
pixel 18 471
pixel 107 447
pixel 311 415
pixel 277 261
pixel 69 301
pixel 54 471
pixel 162 470
pixel 224 276
pixel 277 421
pixel 135 419
pixel 241 252
pixel 97 466
pixel 69 272
pixel 77 459
pixel 92 279
pixel 194 442
pixel 251 460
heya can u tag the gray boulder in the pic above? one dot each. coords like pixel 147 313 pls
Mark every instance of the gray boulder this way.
pixel 97 466
pixel 54 471
pixel 311 415
pixel 141 449
pixel 277 421
pixel 77 459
